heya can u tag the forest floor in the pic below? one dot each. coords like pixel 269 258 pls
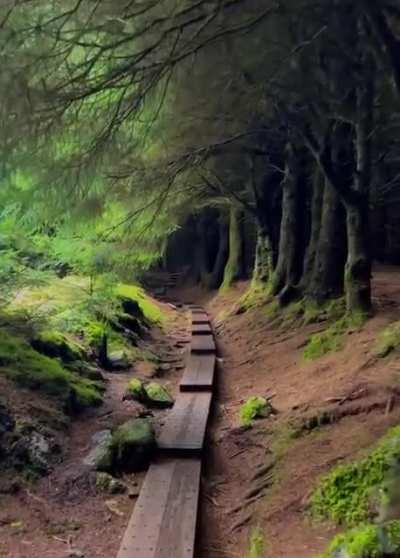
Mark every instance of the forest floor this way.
pixel 63 516
pixel 263 358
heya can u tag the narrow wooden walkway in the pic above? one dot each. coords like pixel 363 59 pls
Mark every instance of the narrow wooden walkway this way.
pixel 164 519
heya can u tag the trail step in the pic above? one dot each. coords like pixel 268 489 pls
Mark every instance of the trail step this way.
pixel 203 344
pixel 199 373
pixel 185 425
pixel 200 318
pixel 163 523
pixel 201 329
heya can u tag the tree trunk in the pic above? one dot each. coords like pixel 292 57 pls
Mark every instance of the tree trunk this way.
pixel 216 277
pixel 200 262
pixel 263 258
pixel 358 265
pixel 286 274
pixel 326 280
pixel 234 266
pixel 316 216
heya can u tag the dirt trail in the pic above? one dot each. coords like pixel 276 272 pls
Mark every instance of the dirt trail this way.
pixel 63 512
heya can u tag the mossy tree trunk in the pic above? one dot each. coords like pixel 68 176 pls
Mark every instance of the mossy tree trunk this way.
pixel 286 274
pixel 217 275
pixel 316 217
pixel 326 280
pixel 263 258
pixel 234 267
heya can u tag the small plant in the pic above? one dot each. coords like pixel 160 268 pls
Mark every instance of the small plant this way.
pixel 367 541
pixel 256 544
pixel 255 407
pixel 388 341
pixel 345 495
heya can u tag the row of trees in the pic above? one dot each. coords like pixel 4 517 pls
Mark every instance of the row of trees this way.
pixel 283 115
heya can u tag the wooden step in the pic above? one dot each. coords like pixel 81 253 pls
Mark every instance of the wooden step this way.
pixel 185 425
pixel 163 523
pixel 199 373
pixel 201 329
pixel 203 344
pixel 201 318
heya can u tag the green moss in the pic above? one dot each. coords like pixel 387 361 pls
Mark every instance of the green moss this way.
pixel 332 338
pixel 256 544
pixel 132 444
pixel 30 369
pixel 388 341
pixel 158 396
pixel 56 344
pixel 255 407
pixel 346 494
pixel 150 310
pixel 367 541
pixel 135 389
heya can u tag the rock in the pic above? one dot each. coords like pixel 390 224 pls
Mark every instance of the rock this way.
pixel 135 391
pixel 112 505
pixel 56 345
pixel 32 449
pixel 110 485
pixel 100 457
pixel 89 371
pixel 158 396
pixel 74 553
pixel 118 361
pixel 133 444
pixel 133 492
pixel 7 422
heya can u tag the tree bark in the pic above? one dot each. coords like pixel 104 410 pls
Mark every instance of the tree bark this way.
pixel 263 258
pixel 316 217
pixel 234 266
pixel 216 277
pixel 326 280
pixel 286 274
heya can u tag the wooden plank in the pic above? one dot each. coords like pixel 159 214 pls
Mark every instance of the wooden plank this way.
pixel 200 318
pixel 201 329
pixel 185 425
pixel 199 373
pixel 203 344
pixel 163 523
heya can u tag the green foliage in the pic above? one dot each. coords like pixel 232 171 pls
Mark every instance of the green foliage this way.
pixel 256 544
pixel 388 341
pixel 255 407
pixel 150 310
pixel 30 369
pixel 367 541
pixel 346 494
pixel 332 338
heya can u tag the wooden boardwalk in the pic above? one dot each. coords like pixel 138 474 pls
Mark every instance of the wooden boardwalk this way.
pixel 164 519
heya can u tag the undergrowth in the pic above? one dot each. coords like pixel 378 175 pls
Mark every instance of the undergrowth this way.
pixel 348 493
pixel 256 544
pixel 366 541
pixel 255 407
pixel 388 341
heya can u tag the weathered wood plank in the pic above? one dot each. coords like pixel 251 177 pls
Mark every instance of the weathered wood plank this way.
pixel 163 523
pixel 203 344
pixel 199 373
pixel 185 425
pixel 200 318
pixel 201 329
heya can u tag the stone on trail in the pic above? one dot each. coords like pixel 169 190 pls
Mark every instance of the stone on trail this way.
pixel 158 396
pixel 107 484
pixel 118 361
pixel 135 391
pixel 132 445
pixel 100 457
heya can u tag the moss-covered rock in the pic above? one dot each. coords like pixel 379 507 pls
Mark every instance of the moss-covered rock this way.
pixel 366 541
pixel 57 345
pixel 118 360
pixel 157 396
pixel 132 445
pixel 348 493
pixel 33 370
pixel 136 391
pixel 253 408
pixel 107 484
pixel 100 456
